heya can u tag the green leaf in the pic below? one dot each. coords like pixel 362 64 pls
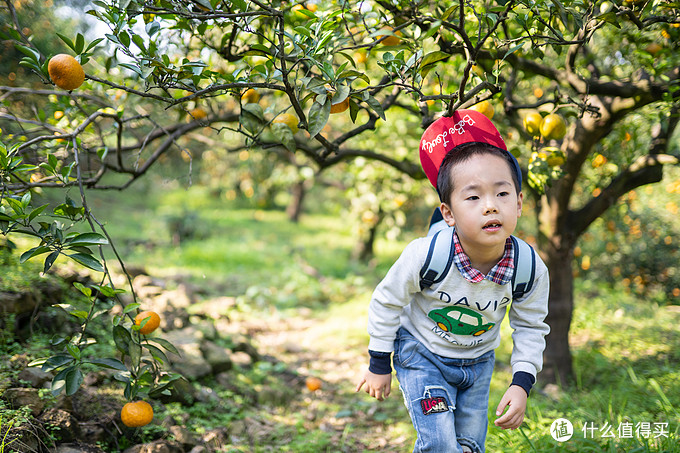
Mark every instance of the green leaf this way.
pixel 57 361
pixel 166 344
pixel 59 381
pixel 318 117
pixel 88 261
pixel 448 12
pixel 73 350
pixel 49 261
pixel 110 363
pixel 156 353
pixel 35 251
pixel 376 106
pixel 129 307
pixel 285 135
pixel 122 338
pixel 79 44
pixel 83 289
pixel 74 380
pixel 36 212
pixel 32 54
pixel 434 57
pixel 350 73
pixel 86 239
pixel 135 351
pixel 67 41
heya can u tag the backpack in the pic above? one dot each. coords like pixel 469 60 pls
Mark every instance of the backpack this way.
pixel 440 258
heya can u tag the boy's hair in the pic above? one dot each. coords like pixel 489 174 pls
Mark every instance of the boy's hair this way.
pixel 462 153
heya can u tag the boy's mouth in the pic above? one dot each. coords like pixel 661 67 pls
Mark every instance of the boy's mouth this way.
pixel 492 225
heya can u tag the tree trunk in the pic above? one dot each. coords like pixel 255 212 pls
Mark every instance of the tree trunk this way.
pixel 557 362
pixel 295 206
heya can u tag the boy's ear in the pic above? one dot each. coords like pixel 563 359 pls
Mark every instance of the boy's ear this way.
pixel 447 214
pixel 520 200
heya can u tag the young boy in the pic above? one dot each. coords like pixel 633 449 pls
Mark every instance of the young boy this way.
pixel 444 336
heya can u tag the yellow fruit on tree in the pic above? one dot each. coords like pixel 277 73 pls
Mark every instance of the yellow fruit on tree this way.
pixel 136 414
pixel 390 39
pixel 653 48
pixel 313 383
pixel 340 106
pixel 297 9
pixel 251 96
pixel 360 57
pixel 532 123
pixel 553 127
pixel 65 72
pixel 556 157
pixel 485 108
pixel 289 120
pixel 198 114
pixel 151 324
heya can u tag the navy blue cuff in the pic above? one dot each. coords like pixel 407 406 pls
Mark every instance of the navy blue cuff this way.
pixel 524 380
pixel 380 362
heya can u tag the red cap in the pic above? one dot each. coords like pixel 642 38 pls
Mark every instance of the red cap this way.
pixel 447 132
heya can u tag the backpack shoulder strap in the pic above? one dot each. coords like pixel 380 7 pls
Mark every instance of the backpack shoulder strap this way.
pixel 440 254
pixel 525 268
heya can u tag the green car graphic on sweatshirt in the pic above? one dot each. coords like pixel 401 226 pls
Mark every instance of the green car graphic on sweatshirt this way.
pixel 460 320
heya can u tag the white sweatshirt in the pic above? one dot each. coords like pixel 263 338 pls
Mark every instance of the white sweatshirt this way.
pixel 457 318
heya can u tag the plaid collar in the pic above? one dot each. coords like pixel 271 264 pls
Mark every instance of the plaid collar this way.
pixel 501 273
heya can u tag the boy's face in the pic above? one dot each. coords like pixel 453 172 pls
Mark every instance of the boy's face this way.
pixel 484 204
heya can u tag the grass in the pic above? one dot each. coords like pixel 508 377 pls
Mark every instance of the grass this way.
pixel 626 350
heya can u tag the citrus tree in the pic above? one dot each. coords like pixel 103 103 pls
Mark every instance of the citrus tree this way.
pixel 329 80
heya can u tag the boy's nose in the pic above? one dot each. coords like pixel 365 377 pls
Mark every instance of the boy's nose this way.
pixel 490 208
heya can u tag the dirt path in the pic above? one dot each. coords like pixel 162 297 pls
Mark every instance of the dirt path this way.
pixel 335 353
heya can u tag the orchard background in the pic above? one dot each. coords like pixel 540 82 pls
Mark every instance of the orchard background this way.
pixel 192 112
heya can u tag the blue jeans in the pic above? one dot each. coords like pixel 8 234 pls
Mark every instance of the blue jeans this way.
pixel 447 399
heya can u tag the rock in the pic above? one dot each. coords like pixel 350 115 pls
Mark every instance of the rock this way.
pixel 190 363
pixel 182 391
pixel 216 356
pixel 68 428
pixel 183 436
pixel 215 439
pixel 78 447
pixel 242 359
pixel 11 302
pixel 36 377
pixel 199 449
pixel 216 308
pixel 19 397
pixel 158 446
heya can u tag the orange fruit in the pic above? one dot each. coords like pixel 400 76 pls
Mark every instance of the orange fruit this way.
pixel 653 48
pixel 251 96
pixel 532 123
pixel 136 414
pixel 65 72
pixel 340 106
pixel 151 325
pixel 390 39
pixel 198 114
pixel 553 127
pixel 298 8
pixel 485 108
pixel 313 383
pixel 289 120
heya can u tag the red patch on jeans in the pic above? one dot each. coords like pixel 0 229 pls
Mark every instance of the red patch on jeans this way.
pixel 434 405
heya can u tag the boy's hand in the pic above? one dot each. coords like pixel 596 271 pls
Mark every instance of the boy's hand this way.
pixel 515 399
pixel 377 385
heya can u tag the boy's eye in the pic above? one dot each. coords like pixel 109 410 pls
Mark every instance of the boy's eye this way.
pixel 503 194
pixel 472 197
